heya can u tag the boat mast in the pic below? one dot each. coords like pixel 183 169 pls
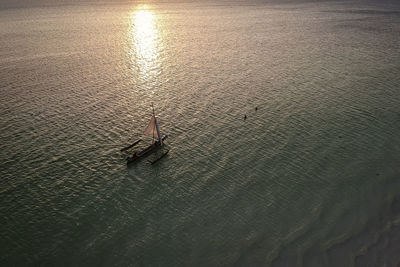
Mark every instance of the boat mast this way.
pixel 157 127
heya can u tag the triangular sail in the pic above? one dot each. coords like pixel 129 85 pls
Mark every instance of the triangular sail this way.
pixel 151 128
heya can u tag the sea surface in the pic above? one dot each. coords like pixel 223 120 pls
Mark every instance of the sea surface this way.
pixel 311 178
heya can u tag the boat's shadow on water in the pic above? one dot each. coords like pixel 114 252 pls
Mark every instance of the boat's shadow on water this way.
pixel 143 167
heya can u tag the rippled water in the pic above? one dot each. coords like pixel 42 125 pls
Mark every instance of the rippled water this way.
pixel 309 179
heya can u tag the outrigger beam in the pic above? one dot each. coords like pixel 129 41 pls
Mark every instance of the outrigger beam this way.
pixel 134 144
pixel 163 155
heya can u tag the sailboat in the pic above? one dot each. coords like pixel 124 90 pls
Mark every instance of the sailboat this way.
pixel 152 129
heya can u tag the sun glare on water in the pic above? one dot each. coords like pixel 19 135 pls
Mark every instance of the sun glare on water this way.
pixel 145 43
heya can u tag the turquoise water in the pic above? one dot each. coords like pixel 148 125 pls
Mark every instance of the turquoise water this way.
pixel 309 179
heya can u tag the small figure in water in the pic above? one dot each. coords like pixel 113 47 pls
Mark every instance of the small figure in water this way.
pixel 256 108
pixel 245 117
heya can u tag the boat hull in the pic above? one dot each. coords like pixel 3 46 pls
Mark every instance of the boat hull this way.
pixel 145 152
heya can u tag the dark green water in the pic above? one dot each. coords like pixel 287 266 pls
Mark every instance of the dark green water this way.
pixel 311 178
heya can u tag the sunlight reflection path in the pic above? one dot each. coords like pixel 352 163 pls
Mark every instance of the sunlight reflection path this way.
pixel 145 47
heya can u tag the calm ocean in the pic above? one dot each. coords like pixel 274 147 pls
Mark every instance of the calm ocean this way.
pixel 312 178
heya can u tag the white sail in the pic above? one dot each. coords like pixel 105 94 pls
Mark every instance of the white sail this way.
pixel 151 128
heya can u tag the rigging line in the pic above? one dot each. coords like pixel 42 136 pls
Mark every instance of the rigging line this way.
pixel 154 126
